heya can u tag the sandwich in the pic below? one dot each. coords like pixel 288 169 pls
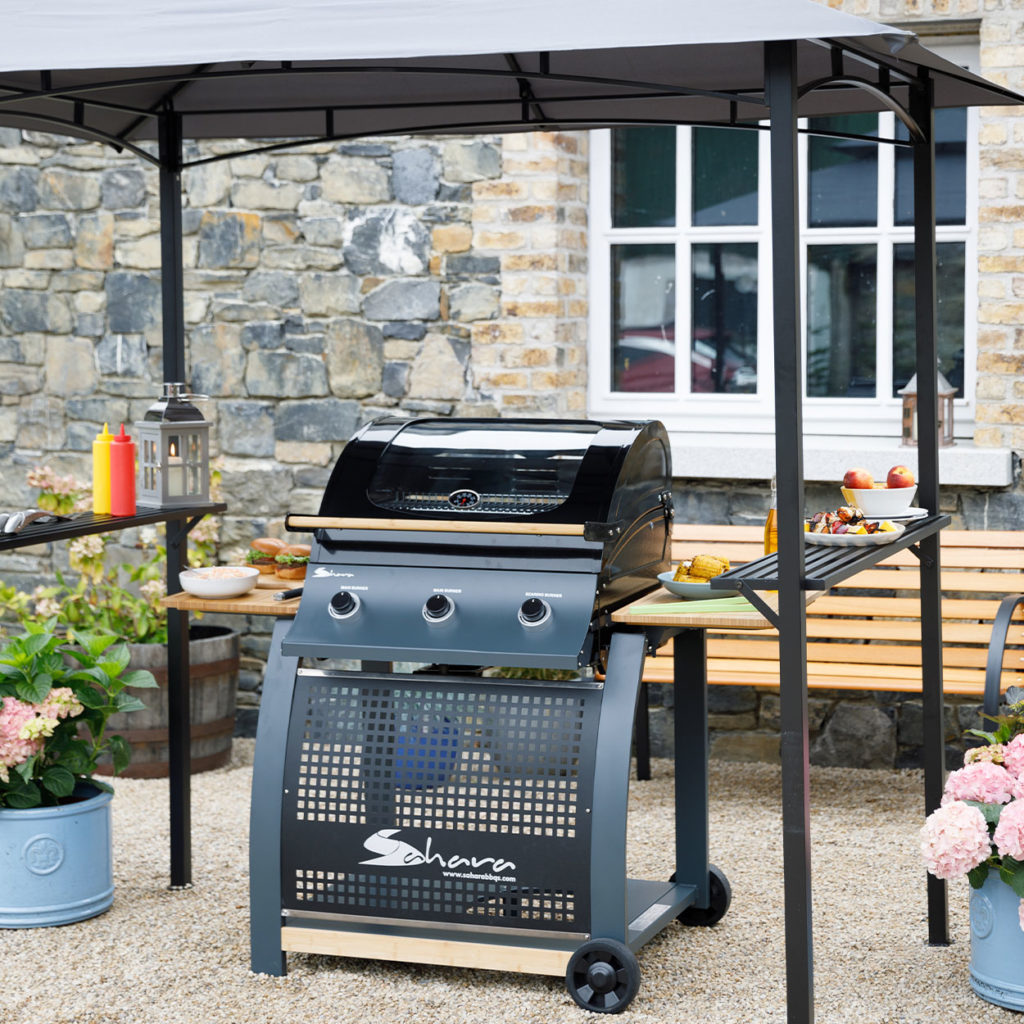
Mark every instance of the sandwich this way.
pixel 262 552
pixel 292 560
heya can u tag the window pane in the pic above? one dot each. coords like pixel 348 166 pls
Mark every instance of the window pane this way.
pixel 842 187
pixel 841 320
pixel 950 171
pixel 949 273
pixel 724 176
pixel 643 317
pixel 723 353
pixel 643 177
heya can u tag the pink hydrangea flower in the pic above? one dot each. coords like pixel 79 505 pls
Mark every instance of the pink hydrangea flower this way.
pixel 1013 756
pixel 954 840
pixel 1009 834
pixel 24 726
pixel 983 781
pixel 993 752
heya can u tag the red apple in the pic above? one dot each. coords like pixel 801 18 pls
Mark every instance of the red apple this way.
pixel 900 476
pixel 859 480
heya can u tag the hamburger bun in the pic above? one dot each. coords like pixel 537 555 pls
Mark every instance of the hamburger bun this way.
pixel 292 560
pixel 262 552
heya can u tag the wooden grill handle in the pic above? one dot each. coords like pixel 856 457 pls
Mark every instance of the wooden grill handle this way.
pixel 300 522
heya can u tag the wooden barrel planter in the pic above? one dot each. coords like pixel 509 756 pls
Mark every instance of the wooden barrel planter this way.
pixel 213 675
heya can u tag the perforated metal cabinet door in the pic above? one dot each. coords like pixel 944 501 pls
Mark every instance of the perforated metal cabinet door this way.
pixel 440 799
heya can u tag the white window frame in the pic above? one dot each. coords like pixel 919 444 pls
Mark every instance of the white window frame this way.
pixel 754 413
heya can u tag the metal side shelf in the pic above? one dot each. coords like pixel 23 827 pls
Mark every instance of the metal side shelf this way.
pixel 83 523
pixel 651 906
pixel 824 565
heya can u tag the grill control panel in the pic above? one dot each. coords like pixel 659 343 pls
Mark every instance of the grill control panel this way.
pixel 440 614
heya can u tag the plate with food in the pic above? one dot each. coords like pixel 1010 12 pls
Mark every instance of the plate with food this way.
pixel 217 581
pixel 691 578
pixel 848 527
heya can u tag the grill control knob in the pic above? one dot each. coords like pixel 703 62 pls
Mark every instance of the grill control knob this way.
pixel 533 612
pixel 343 605
pixel 438 607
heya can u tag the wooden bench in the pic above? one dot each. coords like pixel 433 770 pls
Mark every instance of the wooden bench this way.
pixel 864 634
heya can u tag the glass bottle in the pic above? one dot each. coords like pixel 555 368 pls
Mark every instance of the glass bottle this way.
pixel 771 524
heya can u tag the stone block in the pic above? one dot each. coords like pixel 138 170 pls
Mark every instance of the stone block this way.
pixel 217 359
pixel 40 423
pixel 122 187
pixel 79 437
pixel 19 189
pixel 414 175
pixel 301 257
pixel 473 264
pixel 473 301
pixel 246 428
pixel 22 311
pixel 268 334
pixel 354 356
pixel 405 331
pixel 910 723
pixel 328 419
pixel 133 302
pixel 70 366
pixel 229 239
pixel 46 230
pixel 276 287
pixel 745 746
pixel 395 379
pixel 856 736
pixel 322 230
pixel 258 485
pixel 20 380
pixel 390 241
pixel 207 185
pixel 94 241
pixel 123 355
pixel 353 179
pixel 471 161
pixel 731 699
pixel 12 242
pixel 437 374
pixel 306 452
pixel 95 411
pixel 404 300
pixel 139 253
pixel 296 168
pixel 770 712
pixel 328 294
pixel 284 375
pixel 254 194
pixel 60 189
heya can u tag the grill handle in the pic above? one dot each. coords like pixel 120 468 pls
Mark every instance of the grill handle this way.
pixel 303 523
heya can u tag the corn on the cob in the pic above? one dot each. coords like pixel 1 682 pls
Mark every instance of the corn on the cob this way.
pixel 682 571
pixel 707 566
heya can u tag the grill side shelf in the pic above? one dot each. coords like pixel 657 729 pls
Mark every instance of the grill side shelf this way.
pixel 824 567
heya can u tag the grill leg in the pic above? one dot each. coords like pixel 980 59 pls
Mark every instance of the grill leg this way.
pixel 266 956
pixel 643 735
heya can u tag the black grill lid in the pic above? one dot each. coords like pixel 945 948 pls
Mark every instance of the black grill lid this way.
pixel 559 471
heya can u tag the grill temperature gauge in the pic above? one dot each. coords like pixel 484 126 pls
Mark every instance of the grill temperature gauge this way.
pixel 343 605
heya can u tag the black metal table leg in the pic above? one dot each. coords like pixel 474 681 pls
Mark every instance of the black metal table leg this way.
pixel 179 732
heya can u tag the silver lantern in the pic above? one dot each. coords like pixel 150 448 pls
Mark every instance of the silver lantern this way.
pixel 174 451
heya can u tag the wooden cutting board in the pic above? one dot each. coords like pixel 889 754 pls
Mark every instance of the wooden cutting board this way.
pixel 272 581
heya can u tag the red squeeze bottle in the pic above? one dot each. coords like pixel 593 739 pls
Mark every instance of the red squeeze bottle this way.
pixel 122 475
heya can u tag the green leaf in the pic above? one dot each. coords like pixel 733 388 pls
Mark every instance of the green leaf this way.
pixel 122 753
pixel 76 758
pixel 26 795
pixel 976 876
pixel 100 784
pixel 27 767
pixel 140 678
pixel 120 656
pixel 1012 873
pixel 91 697
pixel 94 643
pixel 34 691
pixel 126 702
pixel 59 781
pixel 35 643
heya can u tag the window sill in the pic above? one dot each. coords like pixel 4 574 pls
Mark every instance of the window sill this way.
pixel 751 457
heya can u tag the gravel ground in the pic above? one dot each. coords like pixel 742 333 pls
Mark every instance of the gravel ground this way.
pixel 163 957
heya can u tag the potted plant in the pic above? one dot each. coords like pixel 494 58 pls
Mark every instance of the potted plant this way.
pixel 978 832
pixel 124 599
pixel 57 695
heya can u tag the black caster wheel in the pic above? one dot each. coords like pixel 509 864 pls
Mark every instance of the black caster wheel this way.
pixel 721 897
pixel 603 976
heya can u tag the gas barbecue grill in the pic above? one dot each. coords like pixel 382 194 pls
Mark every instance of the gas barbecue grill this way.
pixel 442 816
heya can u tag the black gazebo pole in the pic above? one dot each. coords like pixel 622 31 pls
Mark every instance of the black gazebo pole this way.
pixel 178 697
pixel 780 82
pixel 933 753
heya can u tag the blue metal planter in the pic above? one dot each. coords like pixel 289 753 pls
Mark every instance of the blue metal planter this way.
pixel 56 862
pixel 997 944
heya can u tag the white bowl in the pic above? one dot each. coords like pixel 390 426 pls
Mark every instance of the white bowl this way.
pixel 692 591
pixel 880 501
pixel 220 580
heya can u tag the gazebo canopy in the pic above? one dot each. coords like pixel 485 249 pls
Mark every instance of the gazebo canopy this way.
pixel 340 68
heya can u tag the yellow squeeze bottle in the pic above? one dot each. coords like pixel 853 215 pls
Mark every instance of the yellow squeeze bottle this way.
pixel 101 471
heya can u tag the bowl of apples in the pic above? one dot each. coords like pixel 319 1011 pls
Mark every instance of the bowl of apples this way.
pixel 884 500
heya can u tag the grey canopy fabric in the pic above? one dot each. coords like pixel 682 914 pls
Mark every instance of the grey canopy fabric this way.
pixel 337 68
